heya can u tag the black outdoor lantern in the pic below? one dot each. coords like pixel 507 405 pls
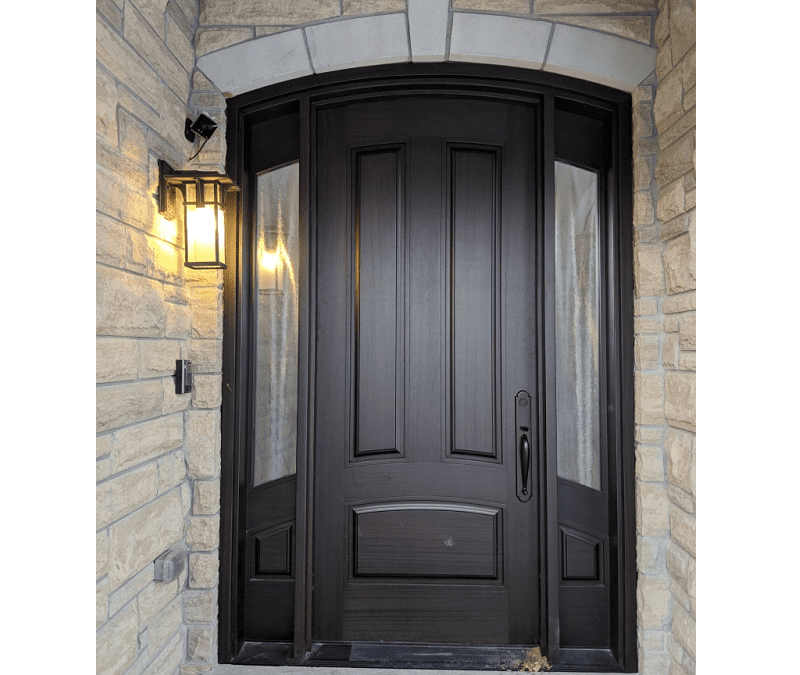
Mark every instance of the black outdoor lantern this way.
pixel 204 195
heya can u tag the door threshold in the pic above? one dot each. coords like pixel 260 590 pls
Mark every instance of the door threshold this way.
pixel 228 669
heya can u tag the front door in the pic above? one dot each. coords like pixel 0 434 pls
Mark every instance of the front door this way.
pixel 426 483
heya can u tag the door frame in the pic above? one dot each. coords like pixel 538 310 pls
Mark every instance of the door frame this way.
pixel 304 96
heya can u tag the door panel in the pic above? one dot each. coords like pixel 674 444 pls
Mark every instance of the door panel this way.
pixel 425 334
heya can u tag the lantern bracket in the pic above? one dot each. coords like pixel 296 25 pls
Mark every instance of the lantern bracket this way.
pixel 170 180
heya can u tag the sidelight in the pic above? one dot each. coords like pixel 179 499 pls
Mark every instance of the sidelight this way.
pixel 577 334
pixel 277 264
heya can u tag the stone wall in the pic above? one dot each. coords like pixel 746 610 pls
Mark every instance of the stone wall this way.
pixel 664 259
pixel 157 453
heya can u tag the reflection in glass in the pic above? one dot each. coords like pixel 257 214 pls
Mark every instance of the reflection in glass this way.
pixel 277 263
pixel 577 344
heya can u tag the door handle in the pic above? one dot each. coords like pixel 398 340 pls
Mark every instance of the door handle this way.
pixel 524 433
pixel 525 460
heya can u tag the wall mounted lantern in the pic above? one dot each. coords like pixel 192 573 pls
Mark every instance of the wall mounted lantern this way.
pixel 204 196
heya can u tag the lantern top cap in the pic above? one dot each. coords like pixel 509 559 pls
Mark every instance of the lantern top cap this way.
pixel 169 176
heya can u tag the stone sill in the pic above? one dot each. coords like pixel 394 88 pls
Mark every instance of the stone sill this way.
pixel 322 670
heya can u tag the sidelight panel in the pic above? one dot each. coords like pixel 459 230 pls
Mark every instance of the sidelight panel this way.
pixel 577 330
pixel 277 260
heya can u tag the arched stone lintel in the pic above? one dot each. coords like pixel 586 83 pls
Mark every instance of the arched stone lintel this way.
pixel 421 35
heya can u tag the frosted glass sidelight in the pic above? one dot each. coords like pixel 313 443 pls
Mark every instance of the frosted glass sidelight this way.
pixel 577 343
pixel 277 258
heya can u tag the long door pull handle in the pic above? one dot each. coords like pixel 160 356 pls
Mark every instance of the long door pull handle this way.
pixel 525 461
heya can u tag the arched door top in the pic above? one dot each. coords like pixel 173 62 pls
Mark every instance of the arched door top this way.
pixel 422 35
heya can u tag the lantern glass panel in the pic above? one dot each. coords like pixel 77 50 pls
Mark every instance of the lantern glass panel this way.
pixel 205 231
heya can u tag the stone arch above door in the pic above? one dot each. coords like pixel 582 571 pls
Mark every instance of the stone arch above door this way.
pixel 426 33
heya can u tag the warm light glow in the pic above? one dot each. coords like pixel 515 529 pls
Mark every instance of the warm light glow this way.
pixel 200 227
pixel 270 260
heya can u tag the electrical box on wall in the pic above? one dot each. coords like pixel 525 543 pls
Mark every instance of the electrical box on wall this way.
pixel 183 376
pixel 169 565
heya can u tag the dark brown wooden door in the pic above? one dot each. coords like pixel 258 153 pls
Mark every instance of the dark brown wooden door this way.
pixel 426 373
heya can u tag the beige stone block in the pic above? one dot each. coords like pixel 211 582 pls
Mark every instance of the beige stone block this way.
pixel 120 59
pixel 176 294
pixel 195 669
pixel 671 351
pixel 683 124
pixel 646 352
pixel 680 595
pixel 154 598
pixel 164 261
pixel 150 45
pixel 169 658
pixel 676 226
pixel 641 94
pixel 178 321
pixel 179 44
pixel 119 496
pixel 173 402
pixel 682 528
pixel 171 471
pixel 662 27
pixel 206 356
pixel 691 198
pixel 652 518
pixel 117 198
pixel 671 324
pixel 645 307
pixel 101 603
pixel 647 324
pixel 352 7
pixel 643 212
pixel 144 535
pixel 189 8
pixel 671 202
pixel 653 662
pixel 649 398
pixel 164 625
pixel 653 641
pixel 591 6
pixel 645 235
pixel 643 120
pixel 120 246
pixel 688 361
pixel 130 589
pixel 142 442
pixel 203 533
pixel 121 404
pixel 199 607
pixel 116 360
pixel 664 60
pixel 678 563
pixel 684 629
pixel 103 469
pixel 631 27
pixel 129 305
pixel 683 302
pixel 203 570
pixel 207 391
pixel 153 12
pixel 117 643
pixel 648 559
pixel 679 401
pixel 111 12
pixel 682 26
pixel 688 332
pixel 690 99
pixel 211 39
pixel 269 30
pixel 679 265
pixel 682 663
pixel 675 161
pixel 649 463
pixel 653 603
pixel 200 645
pixel 668 104
pixel 101 553
pixel 130 172
pixel 133 144
pixel 679 447
pixel 648 271
pixel 206 497
pixel 206 304
pixel 648 434
pixel 681 499
pixel 200 82
pixel 266 12
pixel 203 443
pixel 645 146
pixel 642 173
pixel 688 71
pixel 157 358
pixel 106 105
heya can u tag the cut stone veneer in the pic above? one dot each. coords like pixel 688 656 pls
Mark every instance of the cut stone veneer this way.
pixel 150 308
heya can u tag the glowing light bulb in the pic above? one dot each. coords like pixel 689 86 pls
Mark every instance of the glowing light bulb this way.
pixel 270 260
